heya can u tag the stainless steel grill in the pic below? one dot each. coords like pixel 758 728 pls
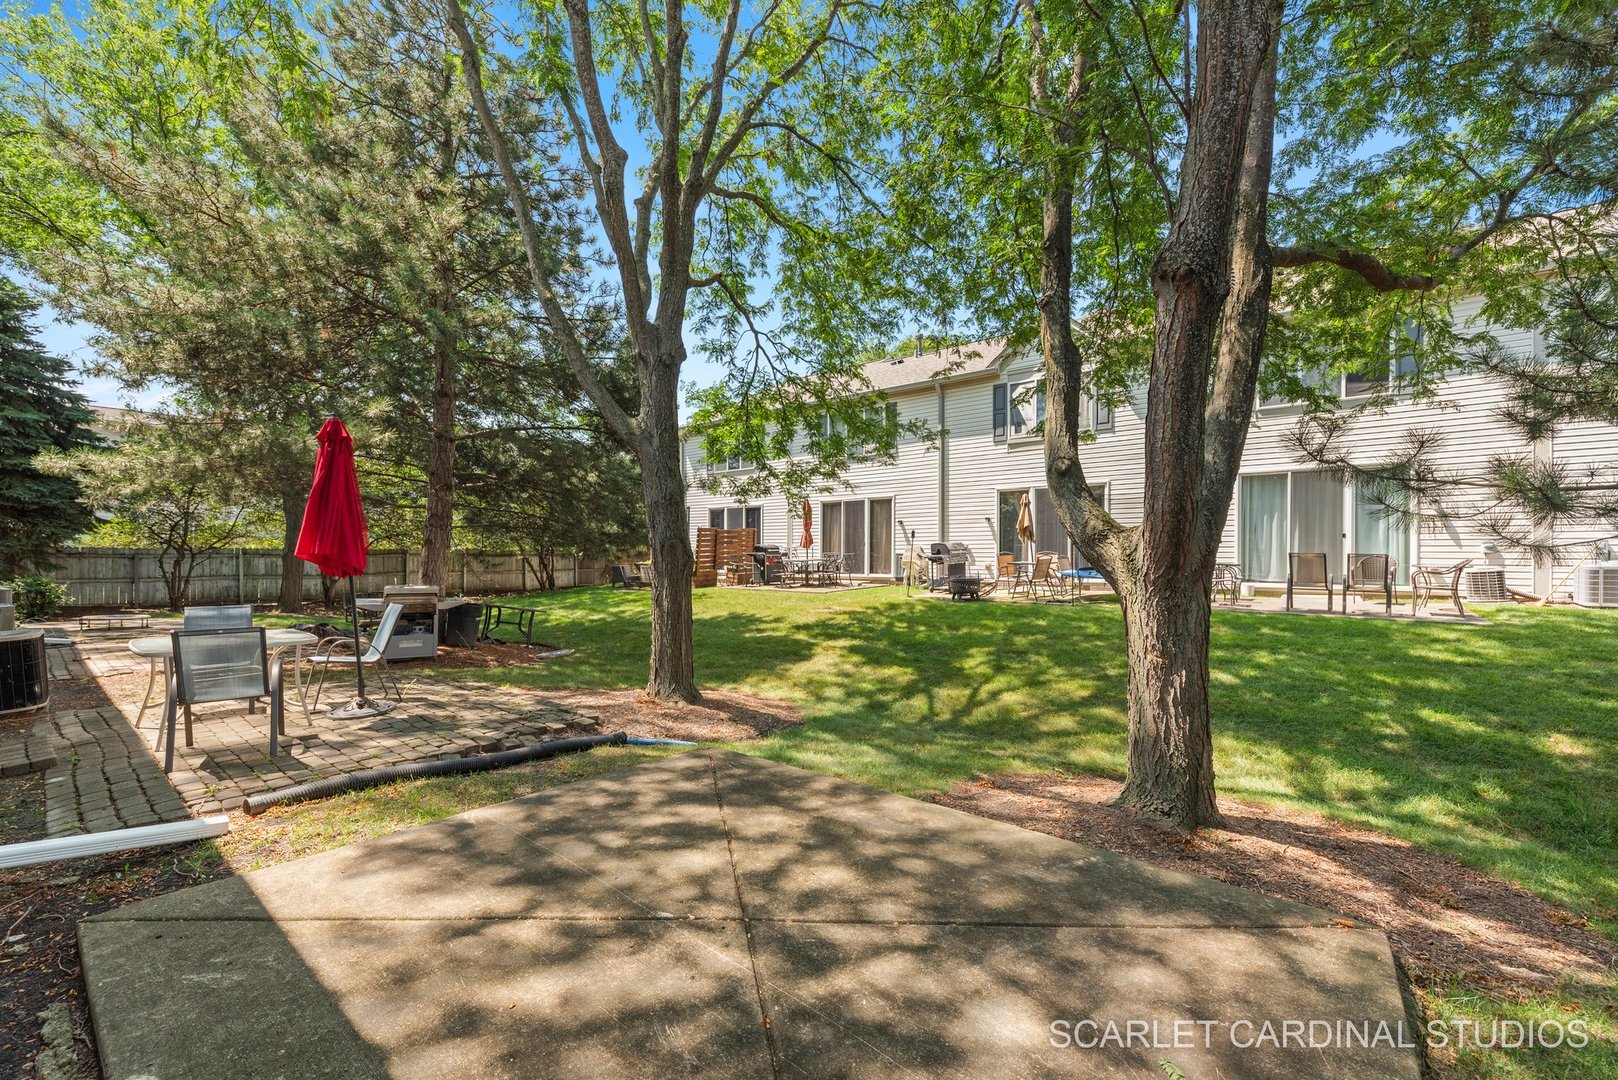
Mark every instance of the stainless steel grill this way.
pixel 949 560
pixel 416 635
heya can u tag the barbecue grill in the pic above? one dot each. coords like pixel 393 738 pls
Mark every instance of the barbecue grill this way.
pixel 415 636
pixel 769 563
pixel 949 560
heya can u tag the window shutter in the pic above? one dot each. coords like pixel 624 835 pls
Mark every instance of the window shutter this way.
pixel 1000 412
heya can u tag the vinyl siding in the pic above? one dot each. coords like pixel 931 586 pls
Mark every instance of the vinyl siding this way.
pixel 1465 415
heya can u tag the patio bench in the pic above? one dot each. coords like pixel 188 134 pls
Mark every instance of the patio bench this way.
pixel 114 622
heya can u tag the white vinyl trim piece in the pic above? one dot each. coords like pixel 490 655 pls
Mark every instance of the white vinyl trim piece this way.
pixel 101 843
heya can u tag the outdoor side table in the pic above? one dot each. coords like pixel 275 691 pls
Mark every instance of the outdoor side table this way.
pixel 158 650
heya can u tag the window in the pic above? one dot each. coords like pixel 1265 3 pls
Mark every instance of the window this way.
pixel 1402 362
pixel 1019 408
pixel 738 517
pixel 1027 408
pixel 730 464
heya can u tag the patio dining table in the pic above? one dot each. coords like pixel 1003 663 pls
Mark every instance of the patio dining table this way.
pixel 817 571
pixel 158 649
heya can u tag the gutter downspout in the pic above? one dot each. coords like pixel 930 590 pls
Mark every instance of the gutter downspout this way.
pixel 943 467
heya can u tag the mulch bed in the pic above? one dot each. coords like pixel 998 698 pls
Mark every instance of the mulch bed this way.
pixel 1444 919
pixel 40 907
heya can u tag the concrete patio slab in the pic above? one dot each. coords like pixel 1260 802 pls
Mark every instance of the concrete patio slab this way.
pixel 717 915
pixel 815 847
pixel 600 848
pixel 859 1000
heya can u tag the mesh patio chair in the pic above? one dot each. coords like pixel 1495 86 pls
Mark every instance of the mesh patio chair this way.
pixel 1307 572
pixel 338 652
pixel 1005 572
pixel 1045 580
pixel 219 617
pixel 230 664
pixel 1370 577
pixel 1427 580
pixel 1227 579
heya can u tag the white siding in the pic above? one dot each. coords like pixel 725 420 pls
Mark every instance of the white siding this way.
pixel 976 468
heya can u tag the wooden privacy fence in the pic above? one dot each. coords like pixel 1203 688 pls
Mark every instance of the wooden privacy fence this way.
pixel 132 577
pixel 715 548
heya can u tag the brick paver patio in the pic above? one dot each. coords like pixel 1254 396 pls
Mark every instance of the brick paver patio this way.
pixel 103 773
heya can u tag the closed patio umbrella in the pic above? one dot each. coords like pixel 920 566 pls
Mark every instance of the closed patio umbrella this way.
pixel 335 539
pixel 1025 520
pixel 807 540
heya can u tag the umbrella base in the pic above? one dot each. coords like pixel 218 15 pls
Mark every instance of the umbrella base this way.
pixel 360 708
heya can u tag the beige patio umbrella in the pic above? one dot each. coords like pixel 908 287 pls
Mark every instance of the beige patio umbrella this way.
pixel 1025 520
pixel 807 540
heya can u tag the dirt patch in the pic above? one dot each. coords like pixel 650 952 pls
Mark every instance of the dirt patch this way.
pixel 40 908
pixel 1444 919
pixel 723 716
pixel 490 654
pixel 22 811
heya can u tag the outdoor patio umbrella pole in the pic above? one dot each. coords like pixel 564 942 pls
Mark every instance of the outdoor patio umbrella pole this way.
pixel 334 538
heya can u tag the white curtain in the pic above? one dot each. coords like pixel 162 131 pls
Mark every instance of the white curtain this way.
pixel 1378 531
pixel 1317 517
pixel 1264 528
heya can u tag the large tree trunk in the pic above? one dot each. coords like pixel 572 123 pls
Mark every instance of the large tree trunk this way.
pixel 438 533
pixel 291 600
pixel 672 676
pixel 1211 281
pixel 1171 775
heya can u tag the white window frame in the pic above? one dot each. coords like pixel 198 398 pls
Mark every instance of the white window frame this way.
pixel 1036 400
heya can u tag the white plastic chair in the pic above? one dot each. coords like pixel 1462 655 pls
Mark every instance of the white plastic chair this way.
pixel 326 657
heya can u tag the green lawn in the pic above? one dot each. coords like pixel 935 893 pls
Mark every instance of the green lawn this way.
pixel 1497 743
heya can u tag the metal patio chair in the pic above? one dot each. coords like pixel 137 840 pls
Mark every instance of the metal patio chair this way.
pixel 219 617
pixel 1427 580
pixel 1307 571
pixel 1227 579
pixel 329 654
pixel 1370 577
pixel 228 664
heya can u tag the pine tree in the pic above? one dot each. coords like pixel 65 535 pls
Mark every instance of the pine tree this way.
pixel 38 411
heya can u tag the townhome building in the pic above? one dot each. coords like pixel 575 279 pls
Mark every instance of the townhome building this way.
pixel 981 399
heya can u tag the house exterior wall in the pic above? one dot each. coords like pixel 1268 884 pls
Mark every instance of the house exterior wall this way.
pixel 949 491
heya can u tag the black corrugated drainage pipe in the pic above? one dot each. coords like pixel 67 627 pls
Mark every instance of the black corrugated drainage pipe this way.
pixel 367 778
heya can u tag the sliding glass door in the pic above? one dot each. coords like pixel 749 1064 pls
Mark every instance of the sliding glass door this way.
pixel 861 531
pixel 1308 511
pixel 1317 517
pixel 1380 529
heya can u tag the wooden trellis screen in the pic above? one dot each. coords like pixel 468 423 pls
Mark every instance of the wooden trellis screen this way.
pixel 715 547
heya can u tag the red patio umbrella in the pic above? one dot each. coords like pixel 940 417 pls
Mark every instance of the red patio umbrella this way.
pixel 334 537
pixel 807 541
